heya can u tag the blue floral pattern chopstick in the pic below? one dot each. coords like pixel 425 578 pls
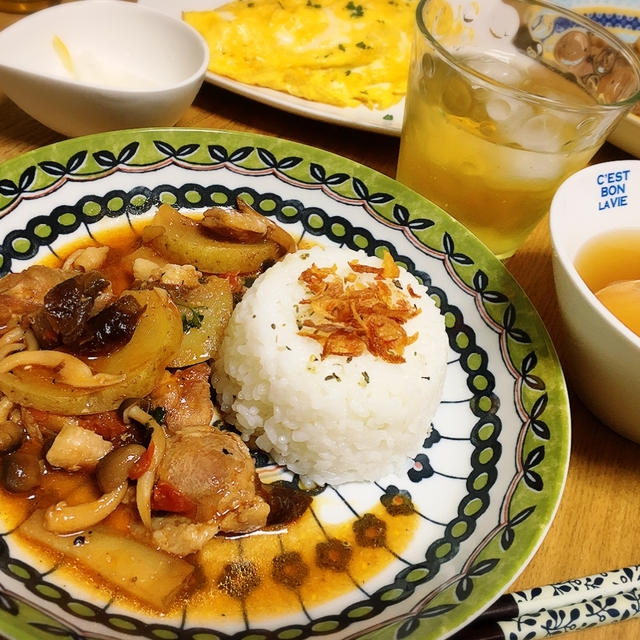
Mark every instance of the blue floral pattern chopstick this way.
pixel 599 599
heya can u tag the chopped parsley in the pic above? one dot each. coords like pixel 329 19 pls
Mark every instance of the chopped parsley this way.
pixel 192 317
pixel 356 9
pixel 159 414
pixel 362 45
pixel 387 116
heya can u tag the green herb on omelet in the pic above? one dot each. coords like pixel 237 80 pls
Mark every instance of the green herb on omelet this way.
pixel 356 9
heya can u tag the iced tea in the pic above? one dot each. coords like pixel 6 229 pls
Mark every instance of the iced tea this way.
pixel 489 135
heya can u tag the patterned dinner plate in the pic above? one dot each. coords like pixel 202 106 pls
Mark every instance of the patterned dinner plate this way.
pixel 427 549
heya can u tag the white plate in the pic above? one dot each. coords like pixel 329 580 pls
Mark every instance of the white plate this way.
pixel 387 121
pixel 621 16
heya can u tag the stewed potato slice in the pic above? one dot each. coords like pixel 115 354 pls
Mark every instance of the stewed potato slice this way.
pixel 140 362
pixel 182 240
pixel 151 576
pixel 205 313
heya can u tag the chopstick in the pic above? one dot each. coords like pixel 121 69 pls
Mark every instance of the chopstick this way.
pixel 595 600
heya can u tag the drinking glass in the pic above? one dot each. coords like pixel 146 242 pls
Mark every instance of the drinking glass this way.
pixel 506 99
pixel 25 6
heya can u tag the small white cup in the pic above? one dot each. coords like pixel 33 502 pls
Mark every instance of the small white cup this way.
pixel 602 354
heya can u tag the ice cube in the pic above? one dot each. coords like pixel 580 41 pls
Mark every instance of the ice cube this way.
pixel 531 166
pixel 509 117
pixel 497 70
pixel 502 109
pixel 543 132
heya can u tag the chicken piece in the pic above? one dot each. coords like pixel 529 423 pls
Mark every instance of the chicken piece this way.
pixel 213 471
pixel 24 292
pixel 181 536
pixel 75 448
pixel 41 424
pixel 176 275
pixel 186 397
pixel 144 269
pixel 32 283
pixel 87 259
pixel 108 425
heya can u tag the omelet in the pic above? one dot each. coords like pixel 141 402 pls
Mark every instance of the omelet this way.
pixel 339 52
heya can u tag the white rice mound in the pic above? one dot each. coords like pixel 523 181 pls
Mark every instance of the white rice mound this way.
pixel 334 420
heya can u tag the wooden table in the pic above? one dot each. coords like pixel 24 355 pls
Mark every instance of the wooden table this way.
pixel 596 527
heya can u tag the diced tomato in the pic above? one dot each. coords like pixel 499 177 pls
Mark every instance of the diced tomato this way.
pixel 166 497
pixel 38 416
pixel 109 424
pixel 143 463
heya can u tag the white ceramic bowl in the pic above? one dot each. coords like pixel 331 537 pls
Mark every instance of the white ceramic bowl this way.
pixel 127 66
pixel 602 354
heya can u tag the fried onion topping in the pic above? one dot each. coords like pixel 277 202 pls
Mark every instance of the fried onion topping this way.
pixel 351 315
